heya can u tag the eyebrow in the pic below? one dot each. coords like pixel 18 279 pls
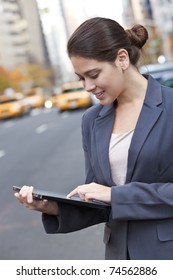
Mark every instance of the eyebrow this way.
pixel 89 71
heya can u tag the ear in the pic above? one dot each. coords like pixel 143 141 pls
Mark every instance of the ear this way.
pixel 122 59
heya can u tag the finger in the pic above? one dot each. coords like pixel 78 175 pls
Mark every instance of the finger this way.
pixel 89 196
pixel 17 195
pixel 102 196
pixel 80 190
pixel 26 194
pixel 23 191
pixel 30 195
pixel 72 193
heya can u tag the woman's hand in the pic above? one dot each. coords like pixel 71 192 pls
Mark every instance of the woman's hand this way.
pixel 26 198
pixel 92 191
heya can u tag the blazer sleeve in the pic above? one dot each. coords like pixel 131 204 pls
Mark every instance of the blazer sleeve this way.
pixel 73 218
pixel 138 200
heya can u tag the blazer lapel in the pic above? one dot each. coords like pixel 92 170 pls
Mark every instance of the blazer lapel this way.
pixel 103 129
pixel 147 119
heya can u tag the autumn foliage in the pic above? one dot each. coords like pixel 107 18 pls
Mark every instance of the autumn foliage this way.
pixel 25 76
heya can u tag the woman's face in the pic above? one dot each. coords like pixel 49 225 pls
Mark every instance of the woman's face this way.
pixel 103 79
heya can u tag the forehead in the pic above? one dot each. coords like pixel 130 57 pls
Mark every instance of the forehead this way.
pixel 82 64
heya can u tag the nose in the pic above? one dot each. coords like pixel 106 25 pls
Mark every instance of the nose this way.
pixel 89 86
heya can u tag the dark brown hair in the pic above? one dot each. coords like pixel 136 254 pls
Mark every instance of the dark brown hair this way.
pixel 101 38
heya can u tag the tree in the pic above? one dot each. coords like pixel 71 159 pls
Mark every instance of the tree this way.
pixel 32 75
pixel 25 77
pixel 5 81
pixel 16 78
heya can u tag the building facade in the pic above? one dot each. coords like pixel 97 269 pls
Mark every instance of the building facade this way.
pixel 38 49
pixel 21 36
pixel 14 38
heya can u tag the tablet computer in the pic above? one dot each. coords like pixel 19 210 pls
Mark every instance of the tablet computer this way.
pixel 60 197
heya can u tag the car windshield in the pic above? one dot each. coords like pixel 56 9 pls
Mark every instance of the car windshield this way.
pixel 161 72
pixel 7 101
pixel 168 82
pixel 31 94
pixel 72 89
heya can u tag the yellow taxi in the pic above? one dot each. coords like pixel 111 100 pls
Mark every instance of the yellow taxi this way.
pixel 50 101
pixel 34 98
pixel 73 96
pixel 10 107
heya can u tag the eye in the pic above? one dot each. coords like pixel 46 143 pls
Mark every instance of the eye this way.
pixel 94 76
pixel 81 79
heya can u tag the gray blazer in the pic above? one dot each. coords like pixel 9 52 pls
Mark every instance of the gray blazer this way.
pixel 141 217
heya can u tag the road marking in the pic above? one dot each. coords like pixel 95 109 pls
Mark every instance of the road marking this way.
pixel 46 110
pixel 65 115
pixel 35 112
pixel 40 129
pixel 39 111
pixel 9 124
pixel 2 153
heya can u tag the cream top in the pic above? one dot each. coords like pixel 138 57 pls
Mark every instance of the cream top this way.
pixel 118 155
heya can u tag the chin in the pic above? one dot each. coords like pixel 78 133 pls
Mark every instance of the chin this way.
pixel 105 102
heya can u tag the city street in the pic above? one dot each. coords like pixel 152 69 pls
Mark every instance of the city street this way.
pixel 44 150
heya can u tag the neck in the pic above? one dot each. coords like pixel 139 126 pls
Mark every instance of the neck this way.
pixel 135 88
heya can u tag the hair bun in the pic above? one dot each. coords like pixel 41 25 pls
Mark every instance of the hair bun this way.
pixel 138 35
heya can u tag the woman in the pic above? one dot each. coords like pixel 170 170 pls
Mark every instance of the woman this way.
pixel 127 141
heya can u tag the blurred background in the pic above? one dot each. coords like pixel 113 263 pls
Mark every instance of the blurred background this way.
pixel 41 106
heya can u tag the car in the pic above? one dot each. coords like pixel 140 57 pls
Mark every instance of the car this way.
pixel 161 72
pixel 51 101
pixel 10 107
pixel 34 98
pixel 73 96
pixel 26 106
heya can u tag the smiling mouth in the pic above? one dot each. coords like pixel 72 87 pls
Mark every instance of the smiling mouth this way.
pixel 99 95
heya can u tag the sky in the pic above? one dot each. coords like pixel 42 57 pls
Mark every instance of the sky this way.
pixel 77 11
pixel 105 8
pixel 82 9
